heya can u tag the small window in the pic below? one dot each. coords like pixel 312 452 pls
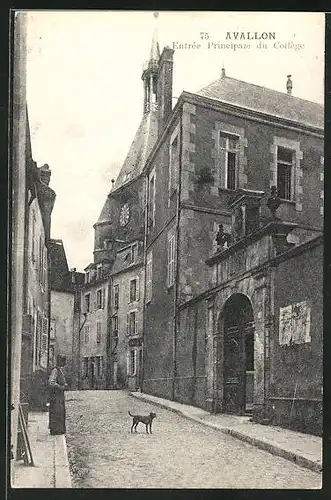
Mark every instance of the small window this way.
pixel 134 253
pixel 100 296
pixel 149 277
pixel 133 290
pixel 88 302
pixel 284 173
pixel 107 244
pixel 98 332
pixel 99 272
pixel 132 324
pixel 87 277
pixel 116 290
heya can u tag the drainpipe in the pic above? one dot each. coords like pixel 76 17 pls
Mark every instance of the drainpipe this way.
pixel 145 274
pixel 175 322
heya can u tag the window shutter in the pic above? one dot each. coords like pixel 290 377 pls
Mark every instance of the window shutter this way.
pixel 135 362
pixel 127 323
pixel 103 299
pixel 128 362
pixel 136 323
pixel 137 290
pixel 95 299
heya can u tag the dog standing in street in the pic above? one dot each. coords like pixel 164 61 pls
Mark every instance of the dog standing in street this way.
pixel 144 419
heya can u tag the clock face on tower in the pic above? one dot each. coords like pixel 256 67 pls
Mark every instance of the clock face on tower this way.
pixel 124 214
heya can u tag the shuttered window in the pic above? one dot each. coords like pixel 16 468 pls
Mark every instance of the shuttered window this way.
pixel 149 277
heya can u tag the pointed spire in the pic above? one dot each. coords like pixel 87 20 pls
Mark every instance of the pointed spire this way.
pixel 155 49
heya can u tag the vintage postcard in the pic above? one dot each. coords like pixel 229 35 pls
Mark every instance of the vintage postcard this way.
pixel 167 174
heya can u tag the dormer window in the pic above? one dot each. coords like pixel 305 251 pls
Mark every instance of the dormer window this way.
pixel 99 271
pixel 87 277
pixel 134 253
pixel 107 244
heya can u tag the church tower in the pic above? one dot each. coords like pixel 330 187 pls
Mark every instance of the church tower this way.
pixel 150 77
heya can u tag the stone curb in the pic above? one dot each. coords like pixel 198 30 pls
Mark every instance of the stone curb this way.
pixel 263 445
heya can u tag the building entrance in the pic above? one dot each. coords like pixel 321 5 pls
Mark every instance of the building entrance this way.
pixel 238 355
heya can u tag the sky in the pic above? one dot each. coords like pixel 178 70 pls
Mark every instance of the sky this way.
pixel 85 93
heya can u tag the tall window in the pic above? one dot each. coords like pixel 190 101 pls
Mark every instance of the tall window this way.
pixel 173 164
pixel 132 323
pixel 134 290
pixel 86 334
pixel 88 302
pixel 100 299
pixel 151 200
pixel 116 290
pixel 229 152
pixel 171 260
pixel 115 326
pixel 132 362
pixel 85 367
pixel 98 332
pixel 284 172
pixel 149 277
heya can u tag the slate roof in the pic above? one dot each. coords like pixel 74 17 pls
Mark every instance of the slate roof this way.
pixel 60 275
pixel 140 148
pixel 261 99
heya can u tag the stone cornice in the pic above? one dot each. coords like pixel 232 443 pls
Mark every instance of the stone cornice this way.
pixel 259 116
pixel 273 227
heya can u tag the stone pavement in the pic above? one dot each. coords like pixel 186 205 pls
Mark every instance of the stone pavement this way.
pixel 51 466
pixel 303 449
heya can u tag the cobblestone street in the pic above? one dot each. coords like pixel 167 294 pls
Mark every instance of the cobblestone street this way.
pixel 179 454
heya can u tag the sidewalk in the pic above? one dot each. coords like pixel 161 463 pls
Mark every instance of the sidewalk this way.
pixel 303 449
pixel 51 469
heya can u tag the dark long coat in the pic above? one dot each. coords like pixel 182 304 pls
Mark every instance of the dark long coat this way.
pixel 57 411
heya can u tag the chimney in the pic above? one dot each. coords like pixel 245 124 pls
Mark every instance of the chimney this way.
pixel 289 85
pixel 45 174
pixel 112 183
pixel 223 72
pixel 164 87
pixel 73 275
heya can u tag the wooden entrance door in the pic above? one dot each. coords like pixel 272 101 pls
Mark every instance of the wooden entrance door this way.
pixel 234 370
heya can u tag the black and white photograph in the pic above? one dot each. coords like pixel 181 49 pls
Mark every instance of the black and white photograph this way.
pixel 166 249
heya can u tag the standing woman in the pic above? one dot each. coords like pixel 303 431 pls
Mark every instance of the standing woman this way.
pixel 57 384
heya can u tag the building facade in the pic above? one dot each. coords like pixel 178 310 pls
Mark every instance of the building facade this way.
pixel 221 155
pixel 63 283
pixel 223 196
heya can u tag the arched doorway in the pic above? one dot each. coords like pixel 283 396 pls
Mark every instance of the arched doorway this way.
pixel 238 355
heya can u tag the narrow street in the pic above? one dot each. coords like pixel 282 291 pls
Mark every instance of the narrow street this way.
pixel 179 454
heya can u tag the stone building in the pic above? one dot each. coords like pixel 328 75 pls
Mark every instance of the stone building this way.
pixel 220 154
pixel 40 200
pixel 63 287
pixel 118 249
